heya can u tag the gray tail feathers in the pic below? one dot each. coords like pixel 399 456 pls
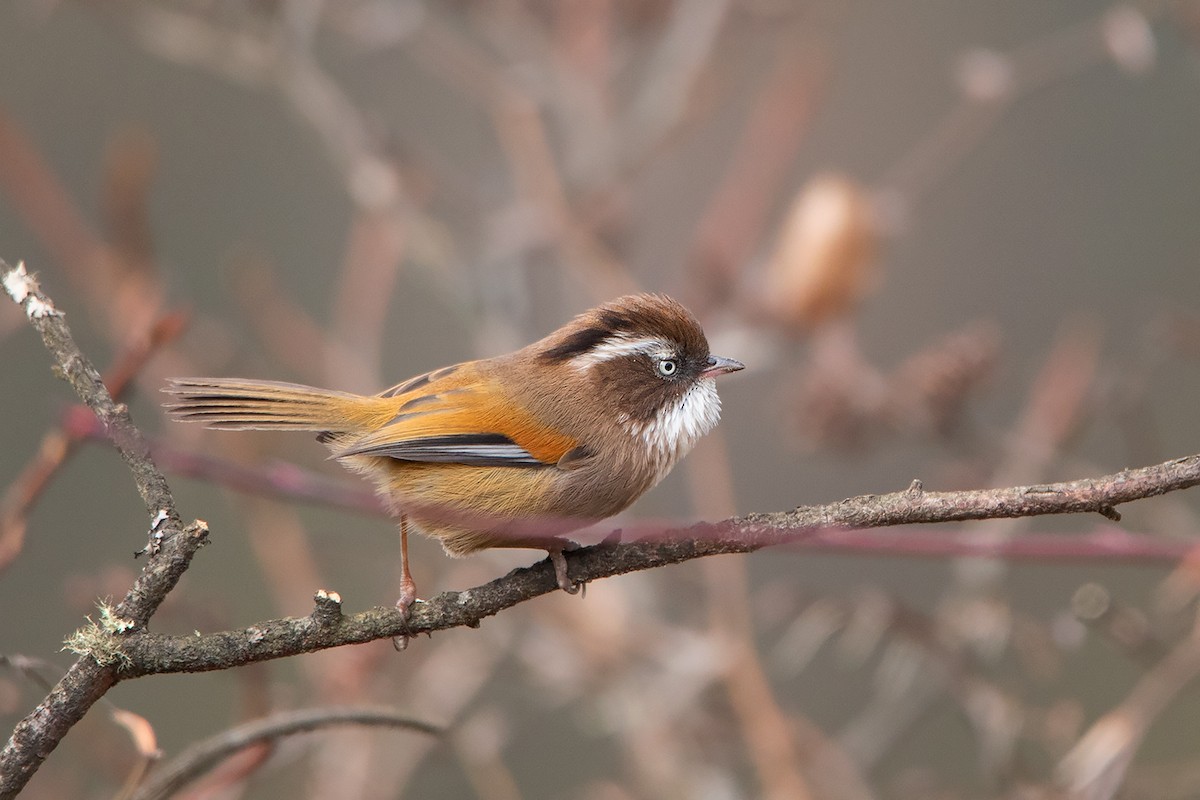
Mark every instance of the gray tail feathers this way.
pixel 242 404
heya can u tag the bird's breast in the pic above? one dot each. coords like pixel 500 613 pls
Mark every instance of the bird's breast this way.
pixel 676 427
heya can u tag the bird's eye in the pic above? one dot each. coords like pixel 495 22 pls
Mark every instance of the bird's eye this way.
pixel 667 367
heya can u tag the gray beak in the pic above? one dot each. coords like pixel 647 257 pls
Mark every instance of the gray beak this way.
pixel 719 366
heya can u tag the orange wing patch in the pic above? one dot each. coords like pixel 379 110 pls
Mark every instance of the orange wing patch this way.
pixel 456 416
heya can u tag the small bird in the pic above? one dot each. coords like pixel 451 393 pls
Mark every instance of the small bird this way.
pixel 510 451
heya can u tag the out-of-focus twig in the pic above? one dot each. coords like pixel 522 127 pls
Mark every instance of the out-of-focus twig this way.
pixel 766 730
pixel 233 771
pixel 1104 544
pixel 370 269
pixel 1055 410
pixel 1057 405
pixel 145 741
pixel 45 206
pixel 202 756
pixel 280 58
pixel 732 225
pixel 117 289
pixel 673 71
pixel 288 332
pixel 279 479
pixel 1126 627
pixel 140 731
pixel 990 83
pixel 526 142
pixel 58 444
pixel 1095 768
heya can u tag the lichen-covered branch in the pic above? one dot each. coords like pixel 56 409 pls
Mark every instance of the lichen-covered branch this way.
pixel 36 736
pixel 327 627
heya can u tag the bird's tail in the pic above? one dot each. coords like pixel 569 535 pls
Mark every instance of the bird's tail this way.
pixel 243 404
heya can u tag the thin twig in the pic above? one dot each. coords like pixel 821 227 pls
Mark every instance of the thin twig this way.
pixel 765 728
pixel 202 756
pixel 991 84
pixel 1095 767
pixel 277 479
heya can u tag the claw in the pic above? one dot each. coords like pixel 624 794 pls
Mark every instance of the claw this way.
pixel 408 596
pixel 560 573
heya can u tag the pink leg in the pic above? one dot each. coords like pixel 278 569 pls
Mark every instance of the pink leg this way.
pixel 408 589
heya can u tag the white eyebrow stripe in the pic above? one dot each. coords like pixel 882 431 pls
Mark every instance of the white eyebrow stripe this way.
pixel 622 345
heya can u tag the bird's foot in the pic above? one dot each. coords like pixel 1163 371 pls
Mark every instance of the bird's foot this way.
pixel 408 596
pixel 560 571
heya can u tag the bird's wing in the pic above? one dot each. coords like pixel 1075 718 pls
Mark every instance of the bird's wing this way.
pixel 457 415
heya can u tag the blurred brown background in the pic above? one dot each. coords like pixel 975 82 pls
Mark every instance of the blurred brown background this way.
pixel 951 240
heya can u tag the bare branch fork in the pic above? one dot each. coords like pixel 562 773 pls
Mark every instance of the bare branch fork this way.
pixel 86 681
pixel 124 649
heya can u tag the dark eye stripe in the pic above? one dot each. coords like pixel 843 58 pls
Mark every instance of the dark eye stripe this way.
pixel 578 343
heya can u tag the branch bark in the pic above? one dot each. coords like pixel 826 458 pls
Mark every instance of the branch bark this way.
pixel 36 736
pixel 327 627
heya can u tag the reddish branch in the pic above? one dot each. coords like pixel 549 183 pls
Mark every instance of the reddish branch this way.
pixel 283 480
pixel 278 479
pixel 154 653
pixel 1106 543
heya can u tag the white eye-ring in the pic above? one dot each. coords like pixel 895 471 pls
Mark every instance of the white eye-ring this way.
pixel 667 367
